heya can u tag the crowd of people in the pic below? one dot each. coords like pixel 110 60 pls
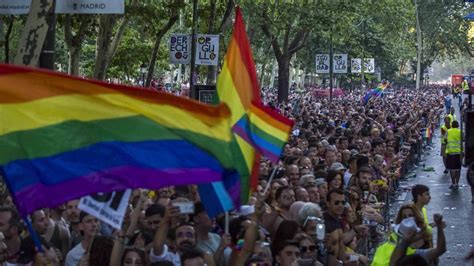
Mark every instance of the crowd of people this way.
pixel 325 203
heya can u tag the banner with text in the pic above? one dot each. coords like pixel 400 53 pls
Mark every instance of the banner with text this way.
pixel 339 63
pixel 90 7
pixel 356 65
pixel 207 50
pixel 107 207
pixel 14 7
pixel 369 65
pixel 180 48
pixel 322 63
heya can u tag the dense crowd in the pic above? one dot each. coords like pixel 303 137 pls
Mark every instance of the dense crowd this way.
pixel 325 203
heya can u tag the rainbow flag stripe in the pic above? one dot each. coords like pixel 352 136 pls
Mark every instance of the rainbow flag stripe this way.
pixel 65 137
pixel 265 129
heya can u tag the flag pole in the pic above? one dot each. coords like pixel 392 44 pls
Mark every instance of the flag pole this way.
pixel 34 235
pixel 226 222
pixel 270 180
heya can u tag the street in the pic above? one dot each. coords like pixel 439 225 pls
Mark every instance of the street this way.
pixel 455 206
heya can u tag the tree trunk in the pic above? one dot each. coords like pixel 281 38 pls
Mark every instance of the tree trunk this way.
pixel 73 62
pixel 283 78
pixel 419 48
pixel 156 48
pixel 7 39
pixel 102 45
pixel 34 33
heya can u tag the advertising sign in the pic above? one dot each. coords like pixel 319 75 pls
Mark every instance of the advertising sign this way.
pixel 369 65
pixel 180 48
pixel 339 63
pixel 14 7
pixel 207 49
pixel 322 63
pixel 356 65
pixel 90 7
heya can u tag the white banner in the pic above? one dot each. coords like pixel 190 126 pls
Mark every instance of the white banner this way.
pixel 180 48
pixel 107 207
pixel 207 49
pixel 14 7
pixel 90 6
pixel 369 65
pixel 322 63
pixel 339 63
pixel 356 65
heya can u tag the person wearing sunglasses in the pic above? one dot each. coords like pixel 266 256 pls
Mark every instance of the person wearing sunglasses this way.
pixel 332 218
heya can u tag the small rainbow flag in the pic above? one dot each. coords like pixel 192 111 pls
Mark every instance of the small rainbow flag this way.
pixel 376 92
pixel 65 137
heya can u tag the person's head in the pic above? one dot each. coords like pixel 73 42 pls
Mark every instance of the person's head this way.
pixel 301 194
pixel 307 180
pixel 141 239
pixel 336 202
pixel 407 211
pixel 288 252
pixel 313 193
pixel 322 185
pixel 88 224
pixel 72 211
pixel 293 174
pixel 185 236
pixel 455 124
pixel 201 218
pixel 153 216
pixel 330 157
pixel 10 223
pixel 447 121
pixel 192 257
pixel 349 214
pixel 134 257
pixel 101 250
pixel 452 111
pixel 237 228
pixel 334 180
pixel 285 197
pixel 307 246
pixel 363 178
pixel 421 194
pixel 262 250
pixel 39 221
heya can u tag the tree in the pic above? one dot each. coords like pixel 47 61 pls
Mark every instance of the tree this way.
pixel 34 33
pixel 287 26
pixel 106 45
pixel 84 27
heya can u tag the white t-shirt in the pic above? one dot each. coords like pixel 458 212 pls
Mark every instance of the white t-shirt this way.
pixel 74 255
pixel 165 256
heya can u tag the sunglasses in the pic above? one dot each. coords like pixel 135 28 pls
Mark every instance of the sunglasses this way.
pixel 311 248
pixel 340 202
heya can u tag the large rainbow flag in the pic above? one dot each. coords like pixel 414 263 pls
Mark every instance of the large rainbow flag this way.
pixel 64 137
pixel 257 129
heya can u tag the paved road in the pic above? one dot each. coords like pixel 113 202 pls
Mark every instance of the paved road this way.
pixel 455 206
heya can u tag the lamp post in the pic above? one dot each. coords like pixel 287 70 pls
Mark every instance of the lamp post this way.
pixel 143 71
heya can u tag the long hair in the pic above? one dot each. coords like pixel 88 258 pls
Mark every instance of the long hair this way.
pixel 420 222
pixel 101 250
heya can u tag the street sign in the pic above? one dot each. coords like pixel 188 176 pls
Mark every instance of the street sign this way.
pixel 339 63
pixel 356 65
pixel 180 48
pixel 14 7
pixel 322 63
pixel 369 65
pixel 107 207
pixel 207 49
pixel 90 7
